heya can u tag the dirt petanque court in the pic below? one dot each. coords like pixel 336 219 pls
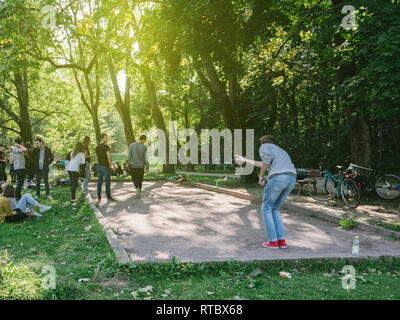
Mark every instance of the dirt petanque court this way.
pixel 198 225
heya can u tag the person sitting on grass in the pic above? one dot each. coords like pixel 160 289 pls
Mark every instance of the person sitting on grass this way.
pixel 25 204
pixel 8 215
pixel 118 170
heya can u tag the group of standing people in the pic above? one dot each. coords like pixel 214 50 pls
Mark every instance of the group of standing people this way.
pixel 27 161
pixel 79 165
pixel 137 164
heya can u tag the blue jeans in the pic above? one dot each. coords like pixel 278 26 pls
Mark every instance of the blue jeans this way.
pixel 103 171
pixel 87 177
pixel 275 193
pixel 25 202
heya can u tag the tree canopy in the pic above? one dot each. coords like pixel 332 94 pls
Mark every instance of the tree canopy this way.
pixel 70 68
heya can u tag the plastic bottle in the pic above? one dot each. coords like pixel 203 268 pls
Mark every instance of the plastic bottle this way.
pixel 356 245
pixel 286 275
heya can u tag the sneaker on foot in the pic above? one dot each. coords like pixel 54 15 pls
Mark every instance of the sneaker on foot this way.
pixel 74 200
pixel 36 197
pixel 282 244
pixel 111 200
pixel 44 208
pixel 36 214
pixel 49 197
pixel 271 244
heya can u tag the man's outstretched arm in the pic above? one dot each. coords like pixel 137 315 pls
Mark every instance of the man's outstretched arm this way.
pixel 259 164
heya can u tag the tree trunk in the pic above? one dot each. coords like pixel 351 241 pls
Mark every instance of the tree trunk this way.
pixel 360 143
pixel 158 117
pixel 218 92
pixel 21 85
pixel 122 107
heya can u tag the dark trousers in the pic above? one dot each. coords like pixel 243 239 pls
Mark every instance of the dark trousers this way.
pixel 103 171
pixel 45 174
pixel 20 173
pixel 3 175
pixel 30 172
pixel 137 177
pixel 19 216
pixel 12 173
pixel 74 178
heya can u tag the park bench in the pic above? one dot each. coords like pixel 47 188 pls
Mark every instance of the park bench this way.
pixel 304 176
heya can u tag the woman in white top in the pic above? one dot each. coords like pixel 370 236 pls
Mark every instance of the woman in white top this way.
pixel 77 158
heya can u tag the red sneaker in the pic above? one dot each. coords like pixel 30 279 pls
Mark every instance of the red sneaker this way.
pixel 271 244
pixel 282 244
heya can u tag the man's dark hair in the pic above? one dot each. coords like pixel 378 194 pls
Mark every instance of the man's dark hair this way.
pixel 143 137
pixel 19 140
pixel 103 135
pixel 38 139
pixel 267 139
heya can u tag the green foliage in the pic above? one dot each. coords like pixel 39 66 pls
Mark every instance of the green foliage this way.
pixel 347 223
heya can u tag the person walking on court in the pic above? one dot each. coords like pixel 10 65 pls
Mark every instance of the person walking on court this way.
pixel 88 157
pixel 42 159
pixel 77 159
pixel 137 162
pixel 104 164
pixel 19 165
pixel 282 179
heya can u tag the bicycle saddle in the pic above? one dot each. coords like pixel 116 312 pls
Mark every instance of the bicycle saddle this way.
pixel 339 167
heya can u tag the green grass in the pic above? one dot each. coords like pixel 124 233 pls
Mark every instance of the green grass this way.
pixel 391 226
pixel 59 239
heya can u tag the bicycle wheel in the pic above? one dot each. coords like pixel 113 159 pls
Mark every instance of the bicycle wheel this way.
pixel 388 186
pixel 321 189
pixel 350 193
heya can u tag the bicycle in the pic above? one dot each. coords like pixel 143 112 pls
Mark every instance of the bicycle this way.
pixel 386 186
pixel 328 186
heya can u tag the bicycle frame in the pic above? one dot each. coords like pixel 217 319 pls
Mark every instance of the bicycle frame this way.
pixel 336 183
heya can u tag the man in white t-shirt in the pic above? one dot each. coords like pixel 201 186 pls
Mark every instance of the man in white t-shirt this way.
pixel 282 179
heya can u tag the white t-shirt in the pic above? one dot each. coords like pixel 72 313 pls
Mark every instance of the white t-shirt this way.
pixel 19 159
pixel 76 162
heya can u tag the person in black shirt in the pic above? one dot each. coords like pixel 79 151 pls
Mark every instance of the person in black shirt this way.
pixel 103 167
pixel 3 163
